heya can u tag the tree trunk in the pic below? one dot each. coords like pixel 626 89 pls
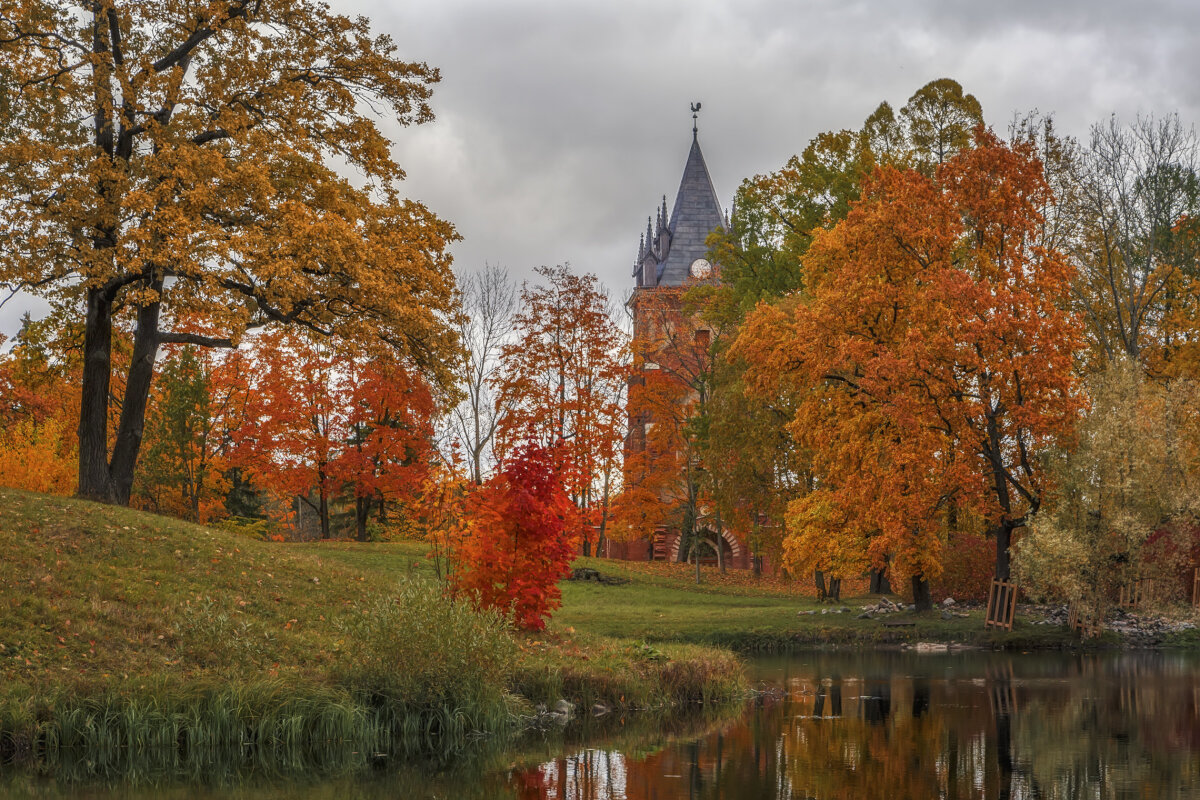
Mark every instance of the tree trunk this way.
pixel 819 580
pixel 1003 530
pixel 696 553
pixel 1003 534
pixel 362 511
pixel 921 596
pixel 602 537
pixel 720 544
pixel 111 481
pixel 879 581
pixel 835 589
pixel 587 547
pixel 323 510
pixel 137 395
pixel 93 405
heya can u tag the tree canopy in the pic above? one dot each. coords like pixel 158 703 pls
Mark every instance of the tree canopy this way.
pixel 169 162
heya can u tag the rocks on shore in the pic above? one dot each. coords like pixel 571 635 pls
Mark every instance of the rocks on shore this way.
pixel 1137 630
pixel 560 714
pixel 841 610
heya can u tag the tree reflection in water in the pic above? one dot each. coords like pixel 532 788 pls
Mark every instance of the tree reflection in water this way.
pixel 902 725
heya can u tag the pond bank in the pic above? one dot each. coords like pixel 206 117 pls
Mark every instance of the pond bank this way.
pixel 863 724
pixel 122 630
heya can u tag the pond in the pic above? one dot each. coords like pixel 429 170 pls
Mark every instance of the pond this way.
pixel 893 724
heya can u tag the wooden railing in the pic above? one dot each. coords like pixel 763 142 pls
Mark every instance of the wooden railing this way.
pixel 1002 605
pixel 1135 594
pixel 1088 624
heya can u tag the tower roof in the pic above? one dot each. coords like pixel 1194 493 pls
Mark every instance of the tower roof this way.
pixel 696 214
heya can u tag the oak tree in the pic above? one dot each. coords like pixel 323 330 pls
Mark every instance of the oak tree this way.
pixel 935 351
pixel 169 160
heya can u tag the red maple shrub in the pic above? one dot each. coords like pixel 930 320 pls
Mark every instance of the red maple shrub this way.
pixel 517 543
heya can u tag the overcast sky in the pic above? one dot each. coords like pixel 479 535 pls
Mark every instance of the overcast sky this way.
pixel 562 123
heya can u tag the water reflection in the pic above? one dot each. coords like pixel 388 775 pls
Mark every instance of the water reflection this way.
pixel 902 725
pixel 828 726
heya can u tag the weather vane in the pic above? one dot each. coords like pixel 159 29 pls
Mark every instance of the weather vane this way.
pixel 695 108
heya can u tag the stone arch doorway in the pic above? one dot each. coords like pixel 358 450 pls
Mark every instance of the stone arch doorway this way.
pixel 731 548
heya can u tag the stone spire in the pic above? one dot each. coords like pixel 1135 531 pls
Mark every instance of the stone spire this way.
pixel 696 214
pixel 667 249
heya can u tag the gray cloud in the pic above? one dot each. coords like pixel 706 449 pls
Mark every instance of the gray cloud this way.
pixel 561 124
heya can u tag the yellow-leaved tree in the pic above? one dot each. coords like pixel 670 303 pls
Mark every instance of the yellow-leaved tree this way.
pixel 1125 504
pixel 164 160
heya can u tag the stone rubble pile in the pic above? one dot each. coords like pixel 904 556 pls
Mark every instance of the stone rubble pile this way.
pixel 884 606
pixel 1137 630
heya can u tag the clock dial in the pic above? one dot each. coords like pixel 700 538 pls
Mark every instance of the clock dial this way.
pixel 701 268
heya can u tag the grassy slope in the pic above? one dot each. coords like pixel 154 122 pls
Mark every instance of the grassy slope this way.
pixel 96 591
pixel 92 596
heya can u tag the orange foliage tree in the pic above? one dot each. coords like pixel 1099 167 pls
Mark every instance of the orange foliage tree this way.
pixel 561 384
pixel 319 419
pixel 516 545
pixel 171 161
pixel 290 433
pixel 933 362
pixel 39 401
pixel 386 455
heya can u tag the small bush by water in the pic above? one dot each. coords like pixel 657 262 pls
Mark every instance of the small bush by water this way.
pixel 430 665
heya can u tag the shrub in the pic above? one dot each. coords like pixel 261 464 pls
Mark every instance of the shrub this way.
pixel 423 651
pixel 516 546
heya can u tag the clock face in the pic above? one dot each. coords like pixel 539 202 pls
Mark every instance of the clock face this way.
pixel 701 268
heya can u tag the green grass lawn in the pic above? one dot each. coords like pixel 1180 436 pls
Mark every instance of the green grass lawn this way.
pixel 662 603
